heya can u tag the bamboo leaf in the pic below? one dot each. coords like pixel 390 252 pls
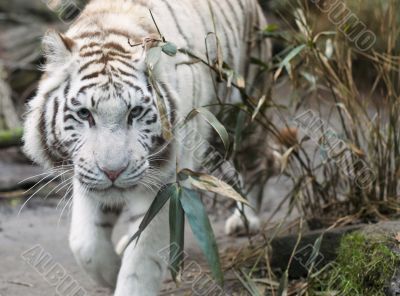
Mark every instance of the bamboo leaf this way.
pixel 158 203
pixel 201 228
pixel 153 55
pixel 170 49
pixel 316 251
pixel 286 61
pixel 283 285
pixel 214 122
pixel 285 159
pixel 248 283
pixel 258 108
pixel 177 232
pixel 212 184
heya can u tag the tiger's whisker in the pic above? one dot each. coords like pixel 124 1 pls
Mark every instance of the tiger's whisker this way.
pixel 26 202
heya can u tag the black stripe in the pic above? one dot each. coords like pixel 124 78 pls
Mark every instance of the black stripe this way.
pixel 242 8
pixel 92 44
pixel 145 145
pixel 144 114
pixel 70 142
pixel 75 102
pixel 42 129
pixel 78 145
pixel 44 139
pixel 87 34
pixel 71 117
pixel 235 15
pixel 83 88
pixel 175 17
pixel 85 66
pixel 126 73
pixel 82 175
pixel 116 46
pixel 153 120
pixel 90 53
pixel 125 63
pixel 67 87
pixel 53 121
pixel 91 76
pixel 229 24
pixel 117 54
pixel 137 88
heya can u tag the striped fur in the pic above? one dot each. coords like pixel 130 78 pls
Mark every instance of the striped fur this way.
pixel 93 68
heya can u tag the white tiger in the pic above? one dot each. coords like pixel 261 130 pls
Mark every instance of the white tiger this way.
pixel 96 111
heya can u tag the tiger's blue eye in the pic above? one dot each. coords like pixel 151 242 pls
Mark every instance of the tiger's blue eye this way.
pixel 84 114
pixel 135 113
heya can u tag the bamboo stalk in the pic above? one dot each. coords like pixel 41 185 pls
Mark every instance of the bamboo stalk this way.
pixel 11 138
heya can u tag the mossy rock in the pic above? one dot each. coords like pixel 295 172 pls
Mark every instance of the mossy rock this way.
pixel 367 264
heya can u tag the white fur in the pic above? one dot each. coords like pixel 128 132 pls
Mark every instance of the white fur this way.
pixel 111 144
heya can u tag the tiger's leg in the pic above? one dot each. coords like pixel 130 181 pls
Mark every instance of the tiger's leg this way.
pixel 255 178
pixel 236 223
pixel 143 267
pixel 90 238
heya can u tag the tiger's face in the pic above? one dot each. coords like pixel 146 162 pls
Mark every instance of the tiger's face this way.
pixel 98 112
pixel 111 131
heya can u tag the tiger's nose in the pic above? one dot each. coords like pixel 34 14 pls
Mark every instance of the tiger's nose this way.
pixel 113 174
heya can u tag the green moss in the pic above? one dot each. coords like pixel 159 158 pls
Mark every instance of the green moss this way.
pixel 363 267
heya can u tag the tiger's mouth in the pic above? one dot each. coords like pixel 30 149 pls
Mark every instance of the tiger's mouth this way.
pixel 111 188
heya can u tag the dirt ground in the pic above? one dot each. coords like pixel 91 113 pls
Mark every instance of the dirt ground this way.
pixel 43 224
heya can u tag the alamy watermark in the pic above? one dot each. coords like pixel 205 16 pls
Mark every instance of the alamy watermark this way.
pixel 53 272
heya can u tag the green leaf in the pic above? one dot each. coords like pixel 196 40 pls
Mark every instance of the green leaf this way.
pixel 283 284
pixel 177 232
pixel 286 61
pixel 201 228
pixel 316 251
pixel 158 203
pixel 170 49
pixel 271 28
pixel 214 122
pixel 153 55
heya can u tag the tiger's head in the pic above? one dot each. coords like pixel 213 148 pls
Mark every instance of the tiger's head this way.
pixel 96 110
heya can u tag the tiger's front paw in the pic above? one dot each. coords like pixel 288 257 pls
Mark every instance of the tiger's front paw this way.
pixel 235 224
pixel 98 259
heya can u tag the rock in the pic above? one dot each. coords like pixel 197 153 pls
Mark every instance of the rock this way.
pixel 14 167
pixel 12 174
pixel 282 248
pixel 366 258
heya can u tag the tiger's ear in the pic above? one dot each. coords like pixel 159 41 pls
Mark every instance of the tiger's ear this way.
pixel 58 49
